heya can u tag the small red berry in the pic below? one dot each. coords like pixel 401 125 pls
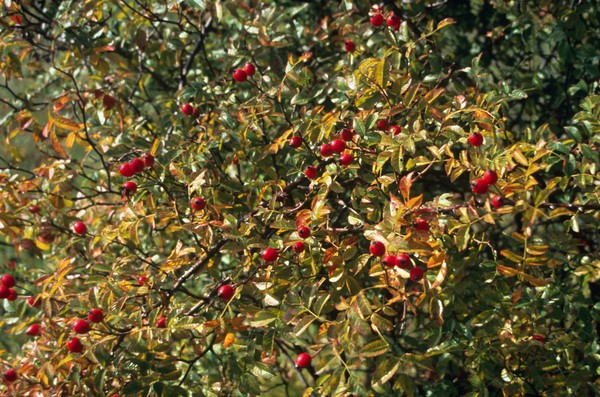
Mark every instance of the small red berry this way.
pixel 141 280
pixel 403 261
pixel 187 109
pixel 12 295
pixel 376 19
pixel 476 139
pixel 479 186
pixel 326 150
pixel 74 345
pixel 161 322
pixel 34 330
pixel 377 248
pixel 390 260
pixel 8 280
pixel 198 203
pixel 303 360
pixel 126 170
pixel 130 187
pixel 96 315
pixel 338 145
pixel 9 376
pixel 148 160
pixel 395 129
pixel 538 337
pixel 382 125
pixel 34 209
pixel 226 292
pixel 298 247
pixel 249 69
pixel 270 254
pixel 34 301
pixel 311 172
pixel 497 201
pixel 421 225
pixel 393 21
pixel 137 165
pixel 79 228
pixel 4 292
pixel 349 46
pixel 490 177
pixel 416 274
pixel 303 232
pixel 196 113
pixel 346 159
pixel 346 134
pixel 239 75
pixel 81 326
pixel 295 141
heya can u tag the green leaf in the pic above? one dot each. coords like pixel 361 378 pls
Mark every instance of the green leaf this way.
pixel 375 348
pixel 385 371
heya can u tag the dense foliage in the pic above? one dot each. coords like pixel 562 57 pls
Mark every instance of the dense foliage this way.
pixel 157 166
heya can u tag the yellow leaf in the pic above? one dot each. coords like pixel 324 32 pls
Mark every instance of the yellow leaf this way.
pixel 511 272
pixel 511 256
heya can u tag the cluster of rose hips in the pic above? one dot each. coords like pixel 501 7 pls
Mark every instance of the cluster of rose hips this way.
pixel 189 110
pixel 241 74
pixel 133 167
pixel 392 20
pixel 482 185
pixel 395 129
pixel 7 282
pixel 377 248
pixel 336 146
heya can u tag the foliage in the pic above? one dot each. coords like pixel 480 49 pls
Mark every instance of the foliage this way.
pixel 509 300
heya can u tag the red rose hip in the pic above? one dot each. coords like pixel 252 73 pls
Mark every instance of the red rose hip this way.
pixel 310 172
pixel 269 254
pixel 497 201
pixel 476 139
pixel 479 186
pixel 130 187
pixel 326 150
pixel 137 165
pixel 249 69
pixel 187 109
pixel 81 327
pixel 338 145
pixel 303 360
pixel 161 322
pixel 96 315
pixel 74 345
pixel 79 228
pixel 198 204
pixel 9 376
pixel 295 141
pixel 8 280
pixel 390 260
pixel 346 159
pixel 240 75
pixel 346 134
pixel 349 46
pixel 226 292
pixel 416 274
pixel 126 170
pixel 377 248
pixel 403 261
pixel 303 232
pixel 298 247
pixel 376 19
pixel 34 330
pixel 490 177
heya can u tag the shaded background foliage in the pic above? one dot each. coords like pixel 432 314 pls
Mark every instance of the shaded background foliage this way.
pixel 92 84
